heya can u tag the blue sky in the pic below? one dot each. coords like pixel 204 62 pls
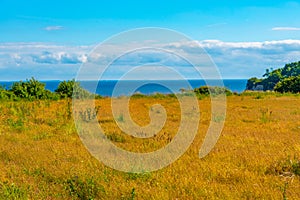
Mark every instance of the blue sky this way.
pixel 256 34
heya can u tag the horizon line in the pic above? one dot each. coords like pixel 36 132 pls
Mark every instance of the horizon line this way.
pixel 124 80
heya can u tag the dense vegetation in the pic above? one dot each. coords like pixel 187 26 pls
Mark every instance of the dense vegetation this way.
pixel 286 79
pixel 283 80
pixel 69 89
pixel 34 90
pixel 212 90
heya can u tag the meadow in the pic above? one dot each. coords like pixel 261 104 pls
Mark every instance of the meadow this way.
pixel 256 157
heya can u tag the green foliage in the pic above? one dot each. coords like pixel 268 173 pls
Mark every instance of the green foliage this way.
pixel 83 189
pixel 65 88
pixel 278 79
pixel 272 79
pixel 16 124
pixel 31 90
pixel 120 118
pixel 11 191
pixel 212 90
pixel 5 94
pixel 252 83
pixel 285 166
pixel 133 193
pixel 89 114
pixel 291 69
pixel 290 84
pixel 138 96
pixel 115 137
pixel 69 89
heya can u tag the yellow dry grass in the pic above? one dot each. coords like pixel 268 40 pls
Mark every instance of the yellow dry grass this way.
pixel 42 157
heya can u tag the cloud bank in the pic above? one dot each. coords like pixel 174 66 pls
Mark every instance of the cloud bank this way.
pixel 234 59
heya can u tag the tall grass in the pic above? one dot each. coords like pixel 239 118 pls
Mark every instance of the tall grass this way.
pixel 256 157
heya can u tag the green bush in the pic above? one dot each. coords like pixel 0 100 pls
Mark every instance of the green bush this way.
pixel 31 90
pixel 35 90
pixel 72 89
pixel 283 166
pixel 291 84
pixel 6 95
pixel 83 189
pixel 212 90
pixel 252 83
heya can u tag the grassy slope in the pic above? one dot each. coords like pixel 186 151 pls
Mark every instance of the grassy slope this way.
pixel 41 155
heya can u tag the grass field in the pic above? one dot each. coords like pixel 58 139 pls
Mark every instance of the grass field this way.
pixel 257 155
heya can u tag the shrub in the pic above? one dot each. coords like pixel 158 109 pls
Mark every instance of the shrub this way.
pixel 4 94
pixel 212 90
pixel 252 83
pixel 291 84
pixel 283 166
pixel 138 95
pixel 69 89
pixel 30 89
pixel 35 90
pixel 83 189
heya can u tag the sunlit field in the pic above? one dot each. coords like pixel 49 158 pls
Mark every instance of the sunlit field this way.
pixel 256 157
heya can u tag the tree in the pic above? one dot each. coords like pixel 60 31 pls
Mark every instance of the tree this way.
pixel 252 83
pixel 30 89
pixel 72 89
pixel 267 73
pixel 273 77
pixel 290 84
pixel 291 69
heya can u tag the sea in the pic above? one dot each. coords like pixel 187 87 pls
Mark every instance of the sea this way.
pixel 114 88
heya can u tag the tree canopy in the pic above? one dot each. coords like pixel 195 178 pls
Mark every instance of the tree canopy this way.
pixel 33 89
pixel 281 80
pixel 69 89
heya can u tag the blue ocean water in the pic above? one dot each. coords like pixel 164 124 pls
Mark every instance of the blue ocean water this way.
pixel 106 87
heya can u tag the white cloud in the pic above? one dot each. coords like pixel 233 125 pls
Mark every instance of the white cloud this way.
pixel 245 59
pixel 234 59
pixel 285 29
pixel 53 28
pixel 47 57
pixel 19 59
pixel 245 45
